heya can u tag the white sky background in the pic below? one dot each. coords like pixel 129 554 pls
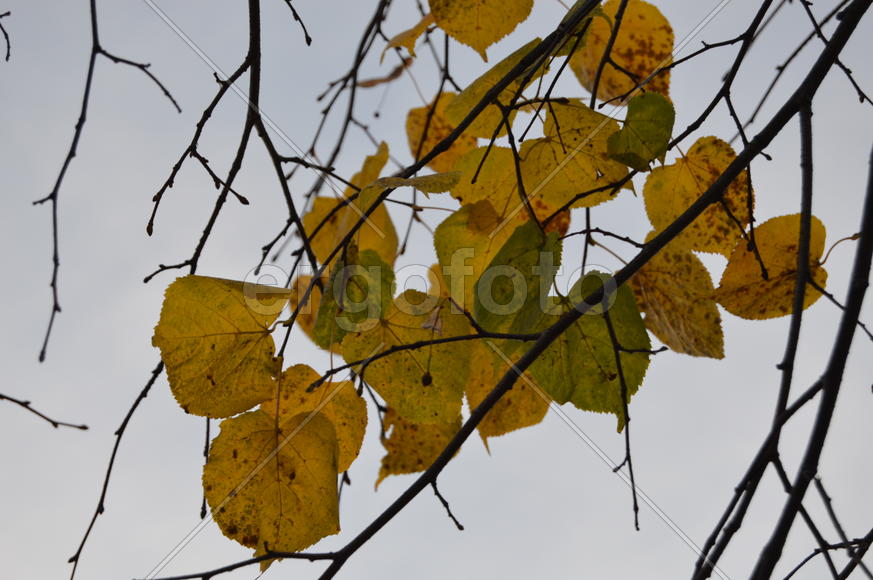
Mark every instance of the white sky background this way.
pixel 542 504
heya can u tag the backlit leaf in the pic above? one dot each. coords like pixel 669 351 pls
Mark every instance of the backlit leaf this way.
pixel 308 312
pixel 412 447
pixel 674 291
pixel 261 495
pixel 465 243
pixel 214 337
pixel 491 116
pixel 644 44
pixel 511 291
pixel 479 23
pixel 424 385
pixel 377 234
pixel 522 406
pixel 496 182
pixel 338 402
pixel 359 291
pixel 572 159
pixel 580 366
pixel 439 127
pixel 646 132
pixel 743 290
pixel 670 190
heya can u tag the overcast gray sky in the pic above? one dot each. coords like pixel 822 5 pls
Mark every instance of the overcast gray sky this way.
pixel 542 504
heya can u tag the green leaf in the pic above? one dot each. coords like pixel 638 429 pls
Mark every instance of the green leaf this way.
pixel 580 366
pixel 359 290
pixel 645 133
pixel 512 289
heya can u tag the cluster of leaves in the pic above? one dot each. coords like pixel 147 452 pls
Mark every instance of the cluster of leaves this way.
pixel 271 476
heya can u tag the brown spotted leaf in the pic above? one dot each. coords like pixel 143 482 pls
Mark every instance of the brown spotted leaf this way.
pixel 744 292
pixel 214 337
pixel 412 447
pixel 671 189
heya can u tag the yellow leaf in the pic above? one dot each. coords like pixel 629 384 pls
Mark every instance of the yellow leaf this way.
pixel 214 337
pixel 338 402
pixel 671 189
pixel 572 158
pixel 743 290
pixel 377 234
pixel 644 44
pixel 261 495
pixel 438 129
pixel 407 38
pixel 491 116
pixel 520 407
pixel 496 182
pixel 479 23
pixel 675 293
pixel 412 447
pixel 424 385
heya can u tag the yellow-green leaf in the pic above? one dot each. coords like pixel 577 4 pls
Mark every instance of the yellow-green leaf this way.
pixel 465 243
pixel 359 291
pixel 261 495
pixel 338 402
pixel 643 45
pixel 308 312
pixel 479 23
pixel 214 337
pixel 674 291
pixel 412 447
pixel 377 234
pixel 646 132
pixel 743 290
pixel 580 366
pixel 491 116
pixel 671 189
pixel 511 292
pixel 423 135
pixel 522 406
pixel 424 385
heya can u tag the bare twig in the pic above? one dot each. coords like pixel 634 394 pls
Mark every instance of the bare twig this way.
pixel 26 405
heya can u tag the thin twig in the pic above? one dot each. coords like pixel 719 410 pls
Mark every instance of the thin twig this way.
pixel 54 422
